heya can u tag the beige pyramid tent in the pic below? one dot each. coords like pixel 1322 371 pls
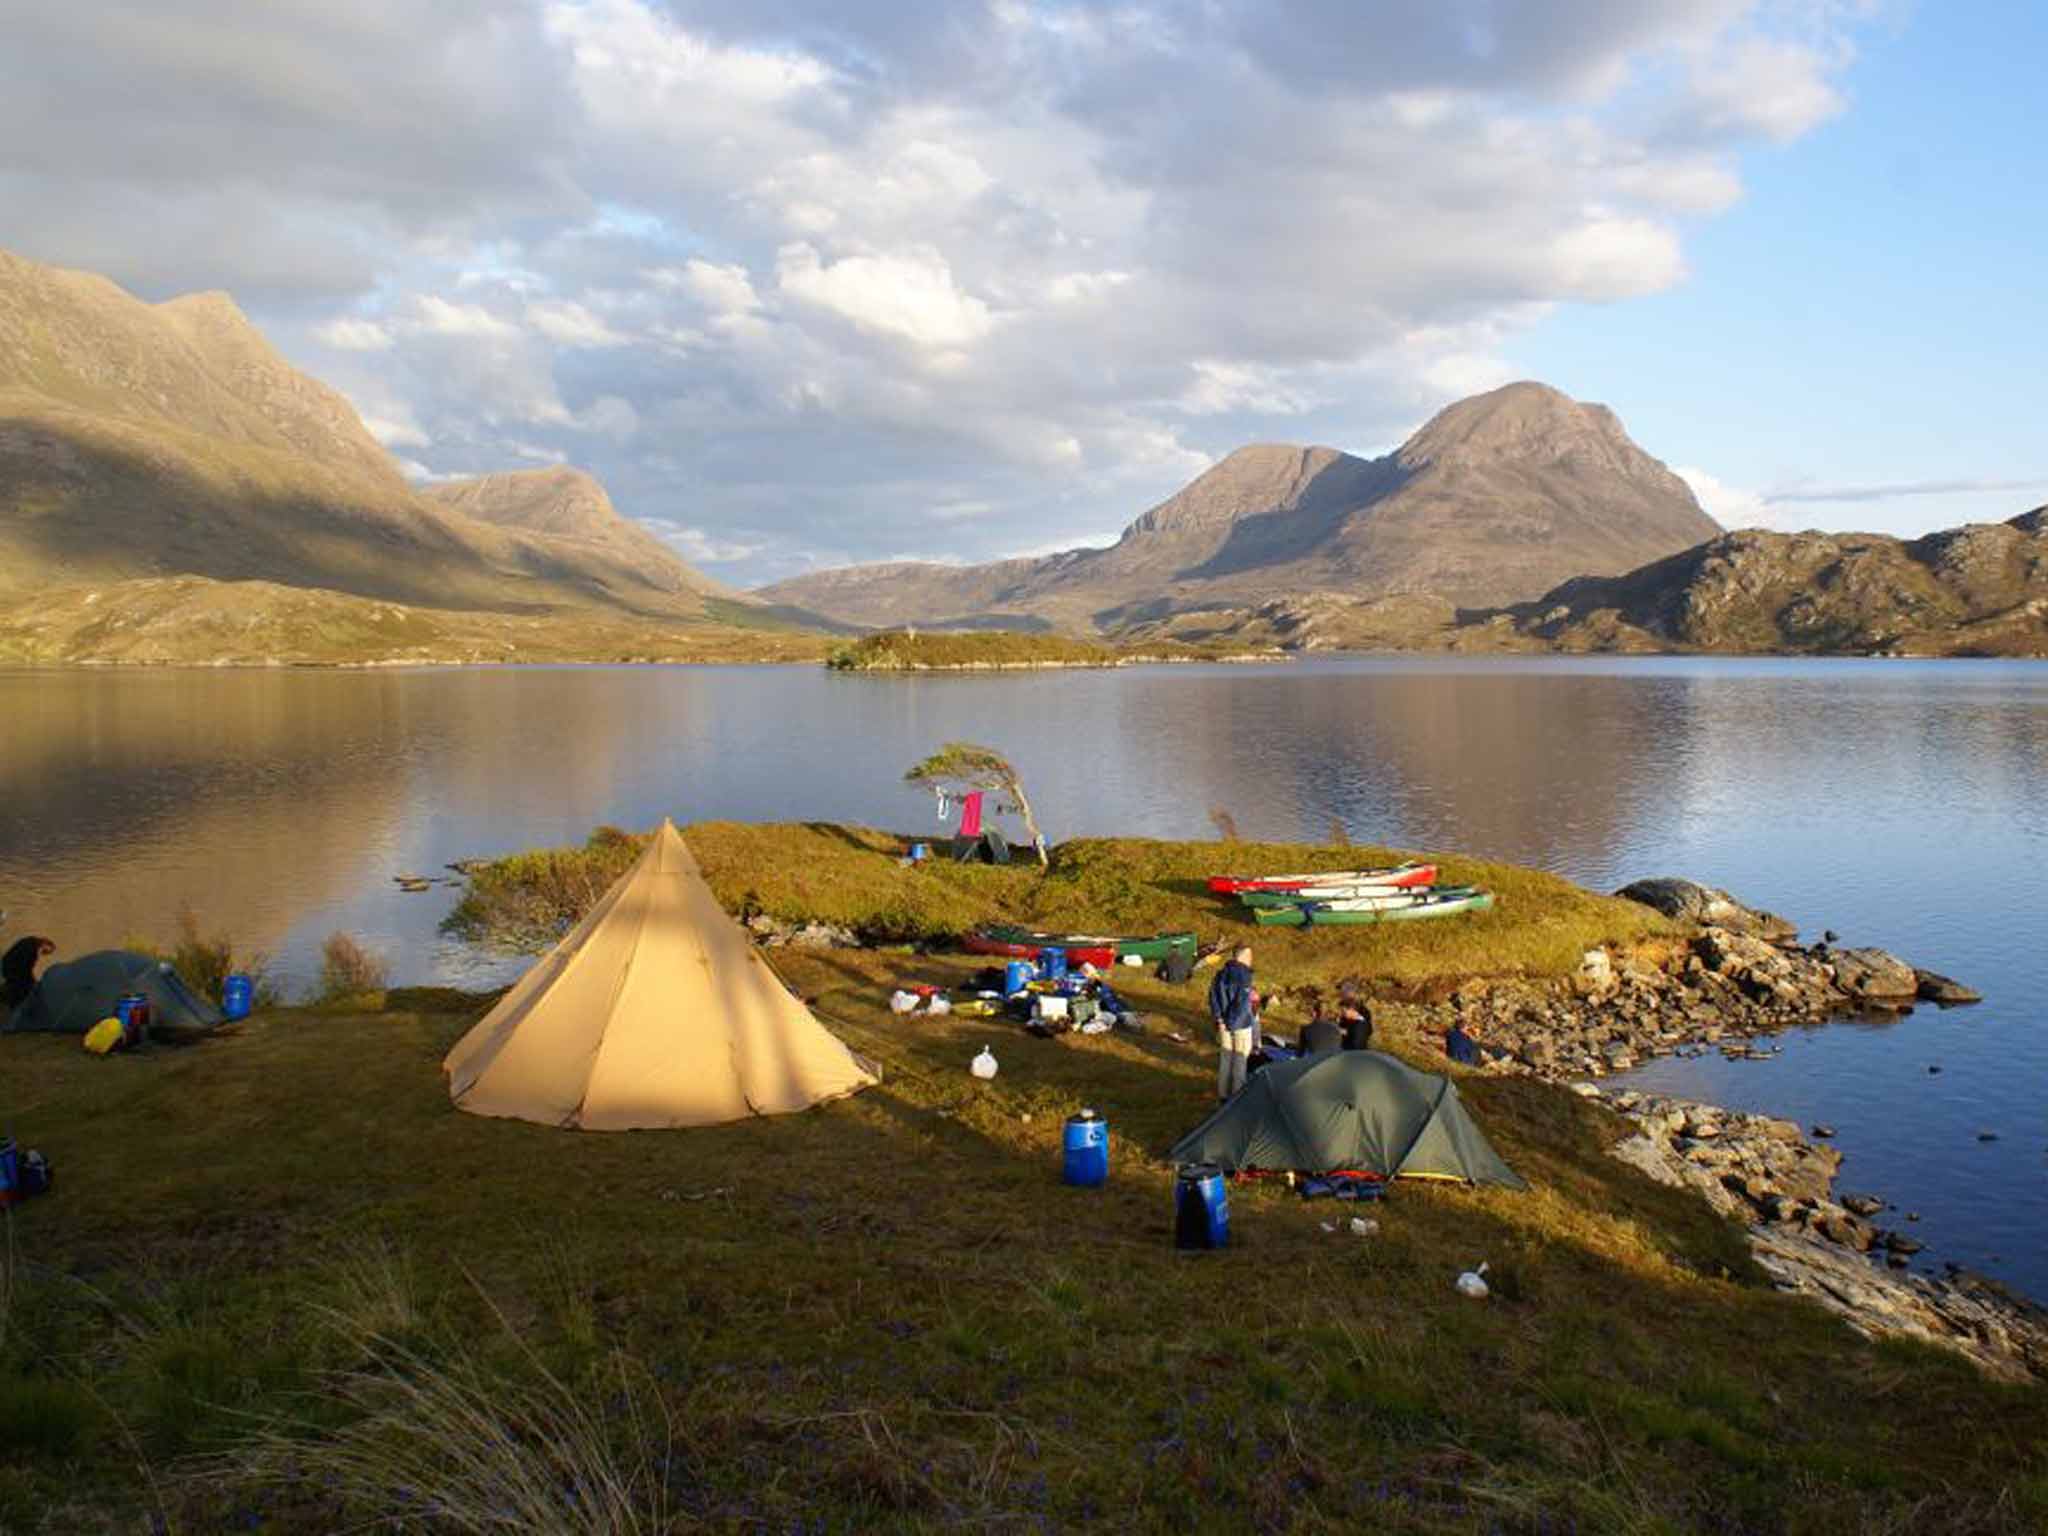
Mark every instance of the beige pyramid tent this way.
pixel 654 1011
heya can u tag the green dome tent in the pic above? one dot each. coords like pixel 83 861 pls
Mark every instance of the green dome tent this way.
pixel 1359 1110
pixel 70 998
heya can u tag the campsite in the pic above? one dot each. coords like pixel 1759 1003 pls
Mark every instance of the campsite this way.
pixel 281 1279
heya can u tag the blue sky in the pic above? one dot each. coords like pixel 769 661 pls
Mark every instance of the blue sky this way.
pixel 1873 313
pixel 812 282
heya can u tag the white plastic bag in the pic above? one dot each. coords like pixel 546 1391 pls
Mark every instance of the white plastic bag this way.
pixel 902 1002
pixel 984 1065
pixel 1470 1283
pixel 939 1004
pixel 1365 1226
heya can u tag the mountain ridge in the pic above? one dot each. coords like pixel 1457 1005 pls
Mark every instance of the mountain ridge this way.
pixel 1497 498
pixel 143 440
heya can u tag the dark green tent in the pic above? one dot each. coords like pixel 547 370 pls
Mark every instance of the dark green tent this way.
pixel 70 998
pixel 1359 1110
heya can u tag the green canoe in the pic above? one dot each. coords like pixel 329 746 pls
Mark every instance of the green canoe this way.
pixel 1382 898
pixel 1321 912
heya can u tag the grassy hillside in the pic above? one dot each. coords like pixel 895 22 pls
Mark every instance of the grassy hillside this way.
pixel 284 1287
pixel 190 620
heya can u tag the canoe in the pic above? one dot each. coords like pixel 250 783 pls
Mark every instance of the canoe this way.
pixel 1444 904
pixel 1382 895
pixel 1096 949
pixel 1410 874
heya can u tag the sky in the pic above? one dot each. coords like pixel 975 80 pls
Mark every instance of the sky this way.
pixel 810 282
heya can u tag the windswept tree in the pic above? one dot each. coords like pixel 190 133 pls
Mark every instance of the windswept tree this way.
pixel 962 767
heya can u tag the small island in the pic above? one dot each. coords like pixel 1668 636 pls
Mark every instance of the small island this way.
pixel 912 650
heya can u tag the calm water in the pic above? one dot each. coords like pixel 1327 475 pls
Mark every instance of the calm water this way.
pixel 1903 803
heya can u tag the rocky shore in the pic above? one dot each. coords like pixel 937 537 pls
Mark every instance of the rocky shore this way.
pixel 1739 976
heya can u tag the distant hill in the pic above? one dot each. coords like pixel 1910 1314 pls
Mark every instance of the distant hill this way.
pixel 1497 499
pixel 1978 590
pixel 571 510
pixel 147 440
pixel 1981 589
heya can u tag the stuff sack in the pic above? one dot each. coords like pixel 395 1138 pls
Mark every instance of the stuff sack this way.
pixel 107 1035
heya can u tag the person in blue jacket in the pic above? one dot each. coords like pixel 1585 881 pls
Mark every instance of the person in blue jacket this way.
pixel 1459 1046
pixel 1232 1004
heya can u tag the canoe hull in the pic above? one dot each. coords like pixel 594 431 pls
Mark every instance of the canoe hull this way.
pixel 1322 914
pixel 1400 876
pixel 1371 895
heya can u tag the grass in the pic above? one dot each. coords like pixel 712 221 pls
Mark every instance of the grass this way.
pixel 1542 925
pixel 900 650
pixel 283 1286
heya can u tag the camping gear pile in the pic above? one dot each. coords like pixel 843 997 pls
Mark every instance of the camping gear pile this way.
pixel 655 1010
pixel 1099 950
pixel 1399 893
pixel 23 1174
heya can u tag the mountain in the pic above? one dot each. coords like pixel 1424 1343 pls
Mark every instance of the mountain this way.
pixel 1497 499
pixel 146 440
pixel 1978 590
pixel 1981 589
pixel 571 510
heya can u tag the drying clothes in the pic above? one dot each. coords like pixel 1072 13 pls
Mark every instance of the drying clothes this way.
pixel 970 814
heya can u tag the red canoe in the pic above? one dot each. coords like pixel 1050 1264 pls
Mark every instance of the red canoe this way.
pixel 1401 876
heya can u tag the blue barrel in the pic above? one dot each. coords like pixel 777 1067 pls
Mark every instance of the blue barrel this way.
pixel 10 1172
pixel 1016 976
pixel 1201 1207
pixel 237 995
pixel 1086 1148
pixel 919 852
pixel 1052 962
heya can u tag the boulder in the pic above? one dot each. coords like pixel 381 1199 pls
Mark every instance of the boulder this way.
pixel 1689 901
pixel 1934 987
pixel 1870 974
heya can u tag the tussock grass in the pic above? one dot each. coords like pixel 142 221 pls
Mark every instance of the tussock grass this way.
pixel 347 969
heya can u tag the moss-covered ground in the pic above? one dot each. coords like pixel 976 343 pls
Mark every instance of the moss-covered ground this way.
pixel 283 1285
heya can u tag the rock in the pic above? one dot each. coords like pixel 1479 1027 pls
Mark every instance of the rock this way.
pixel 1863 1205
pixel 1987 1135
pixel 1596 972
pixel 1823 1130
pixel 1931 1071
pixel 1934 987
pixel 1689 901
pixel 1898 1242
pixel 1872 974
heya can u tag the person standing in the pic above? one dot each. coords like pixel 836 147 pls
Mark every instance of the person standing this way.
pixel 1232 1006
pixel 18 968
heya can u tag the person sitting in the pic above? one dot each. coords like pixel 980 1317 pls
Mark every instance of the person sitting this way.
pixel 1321 1034
pixel 18 968
pixel 1459 1046
pixel 1355 1019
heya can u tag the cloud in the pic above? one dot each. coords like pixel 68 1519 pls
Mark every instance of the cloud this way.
pixel 1903 489
pixel 792 274
pixel 1730 506
pixel 439 317
pixel 354 335
pixel 910 295
pixel 572 325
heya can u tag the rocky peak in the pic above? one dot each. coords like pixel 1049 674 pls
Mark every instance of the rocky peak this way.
pixel 557 500
pixel 1264 477
pixel 1531 424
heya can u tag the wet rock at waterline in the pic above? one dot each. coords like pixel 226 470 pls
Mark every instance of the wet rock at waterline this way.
pixel 1690 902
